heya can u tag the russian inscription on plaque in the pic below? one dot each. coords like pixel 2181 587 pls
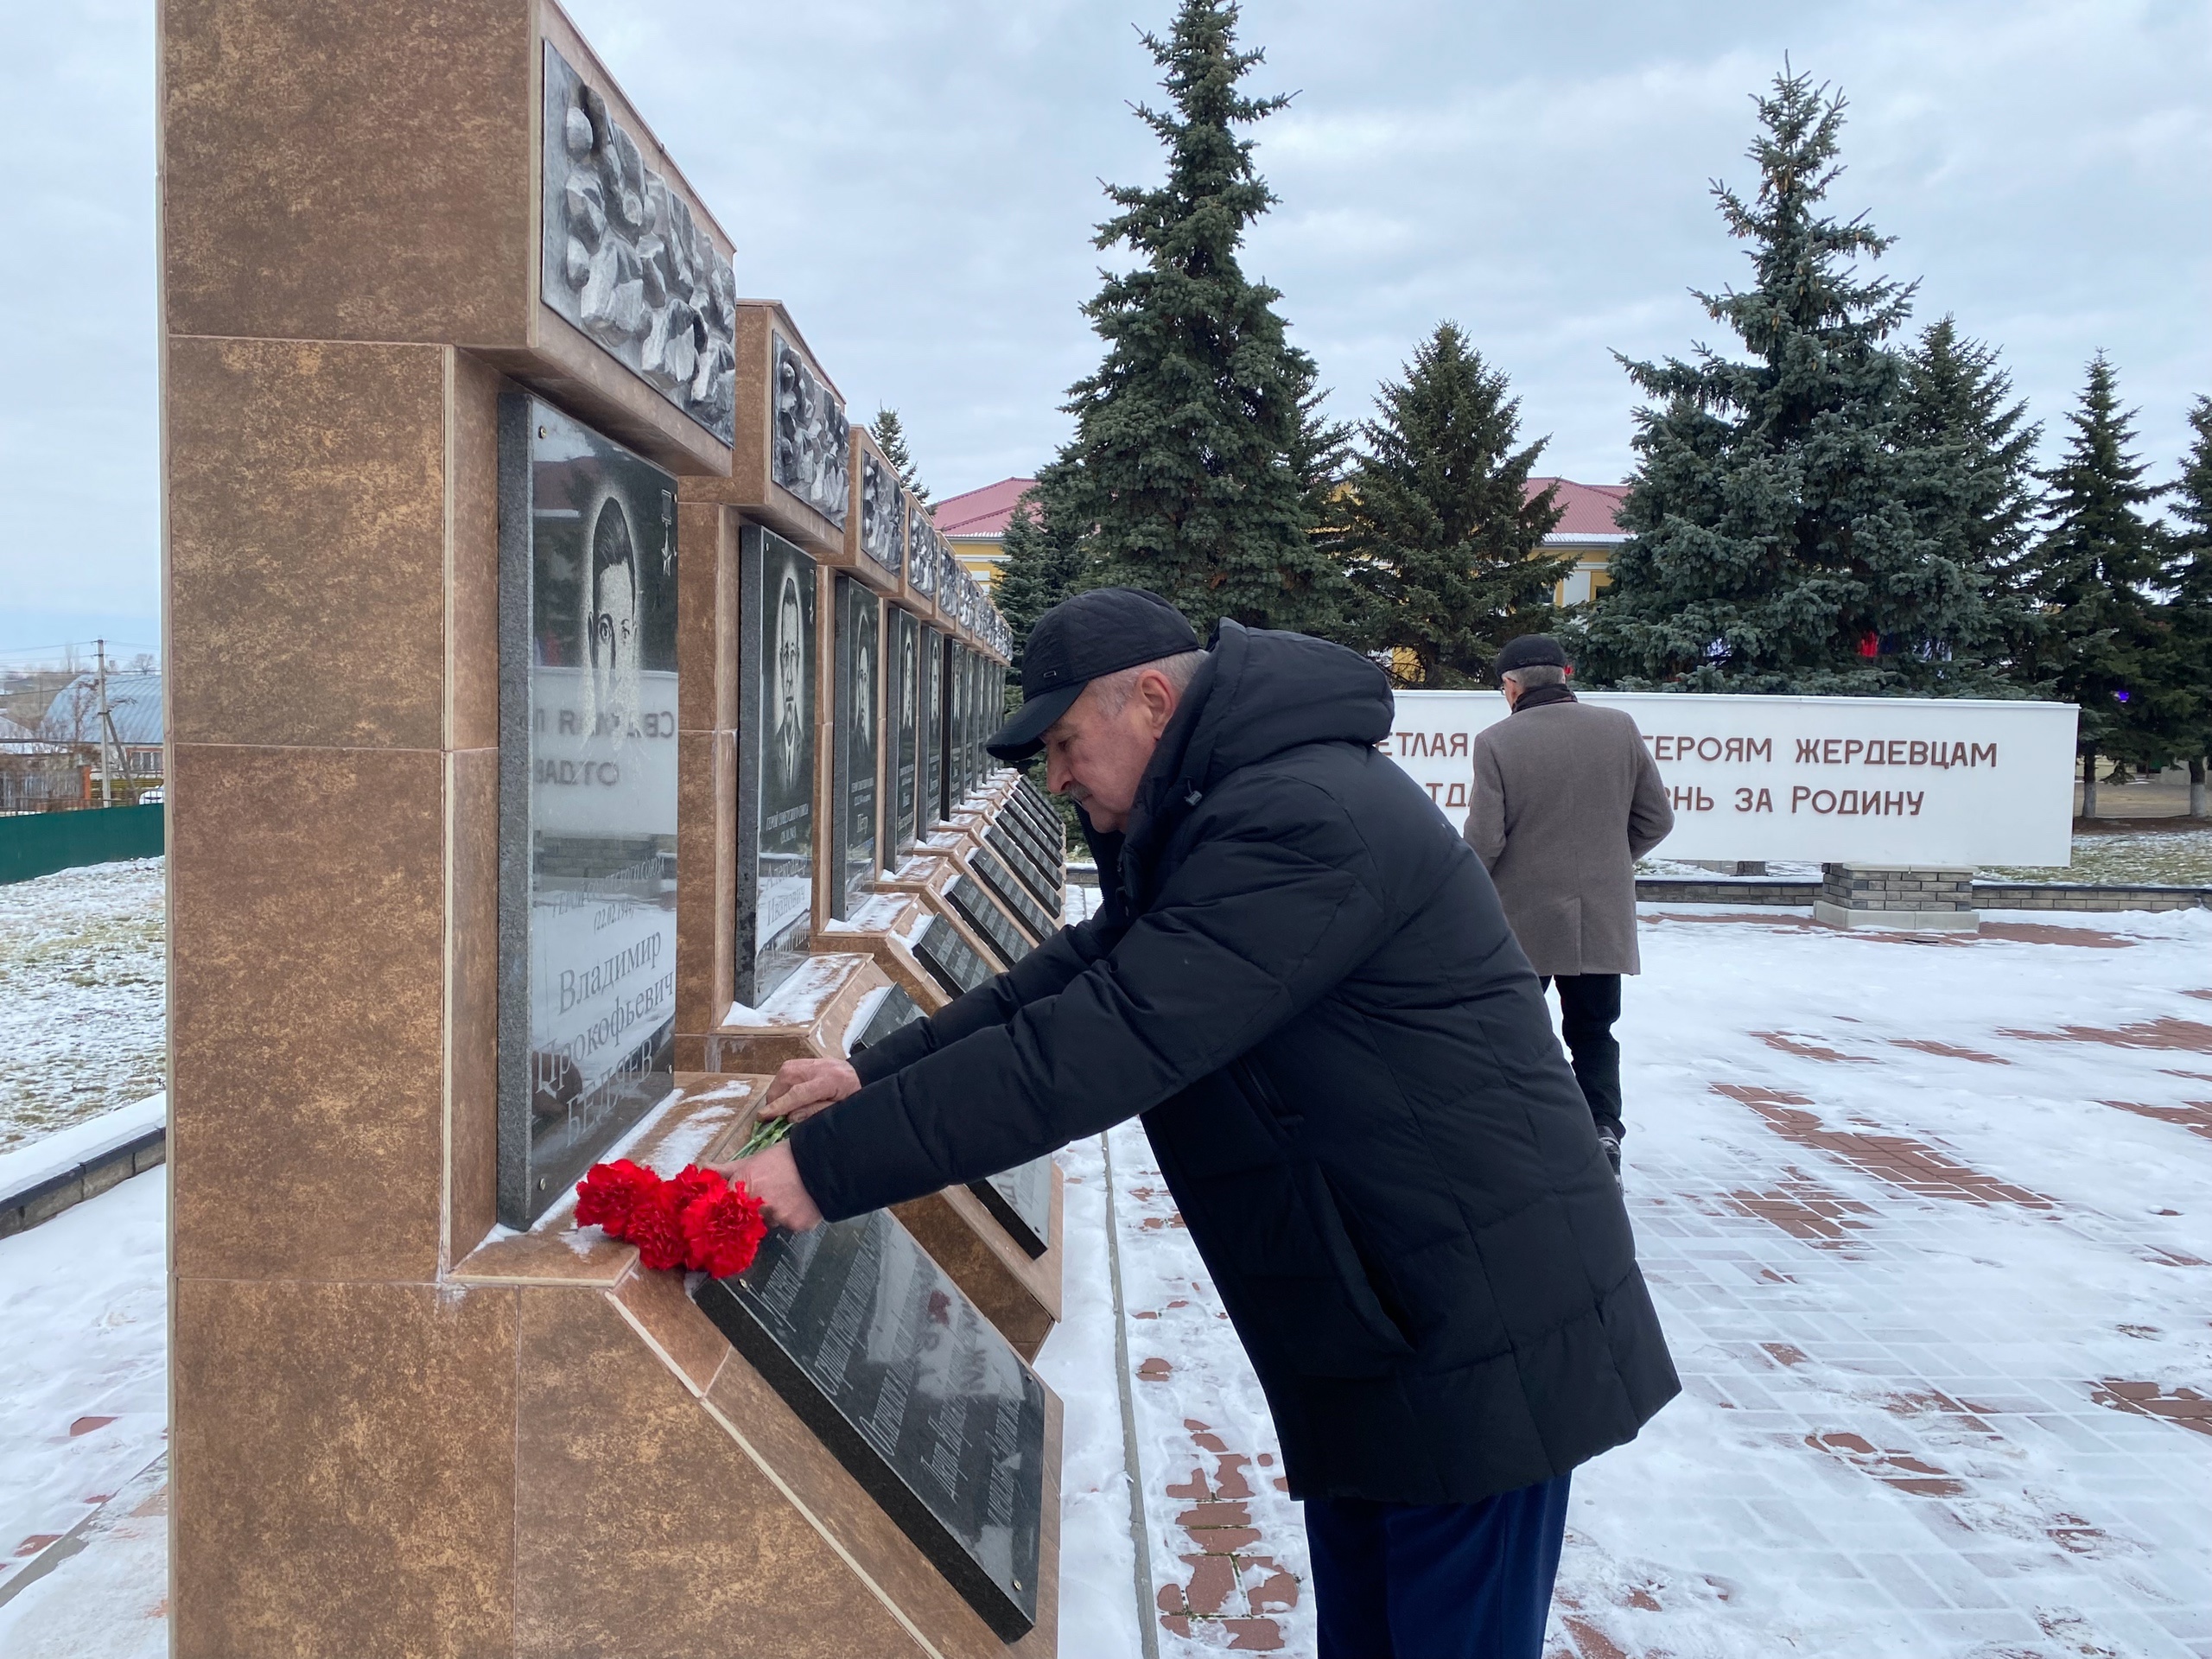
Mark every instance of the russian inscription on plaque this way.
pixel 855 737
pixel 951 960
pixel 974 907
pixel 1017 853
pixel 926 1406
pixel 904 754
pixel 776 759
pixel 995 876
pixel 811 455
pixel 621 256
pixel 587 976
pixel 894 1008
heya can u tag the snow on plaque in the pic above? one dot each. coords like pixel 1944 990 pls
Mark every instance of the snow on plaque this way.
pixel 623 256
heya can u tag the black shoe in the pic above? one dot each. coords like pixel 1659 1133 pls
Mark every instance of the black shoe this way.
pixel 1609 1141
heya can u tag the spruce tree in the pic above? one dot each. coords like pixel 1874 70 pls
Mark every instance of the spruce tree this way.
pixel 1774 548
pixel 1972 487
pixel 2189 611
pixel 2094 570
pixel 890 438
pixel 1441 540
pixel 1047 558
pixel 1182 454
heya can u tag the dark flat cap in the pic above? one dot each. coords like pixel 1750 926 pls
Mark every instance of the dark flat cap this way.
pixel 1530 651
pixel 1102 631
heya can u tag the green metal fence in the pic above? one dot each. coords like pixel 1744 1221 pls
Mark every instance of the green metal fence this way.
pixel 39 843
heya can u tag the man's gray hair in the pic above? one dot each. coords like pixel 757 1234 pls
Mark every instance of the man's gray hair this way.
pixel 1534 675
pixel 1114 689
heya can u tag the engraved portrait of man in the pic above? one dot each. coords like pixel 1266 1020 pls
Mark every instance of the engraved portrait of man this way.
pixel 611 635
pixel 864 695
pixel 790 678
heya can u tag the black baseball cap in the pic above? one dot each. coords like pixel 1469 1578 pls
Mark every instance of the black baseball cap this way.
pixel 1102 631
pixel 1530 651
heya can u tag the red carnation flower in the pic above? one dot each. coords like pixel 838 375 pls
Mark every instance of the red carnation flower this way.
pixel 724 1231
pixel 692 1183
pixel 609 1193
pixel 657 1228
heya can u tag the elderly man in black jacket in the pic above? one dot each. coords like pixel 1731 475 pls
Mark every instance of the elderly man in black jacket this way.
pixel 1301 976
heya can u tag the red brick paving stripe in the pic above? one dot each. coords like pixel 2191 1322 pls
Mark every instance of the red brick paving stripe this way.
pixel 2167 1033
pixel 1810 1051
pixel 2195 1115
pixel 1949 1051
pixel 2052 933
pixel 1899 1160
pixel 1227 1588
pixel 2183 1406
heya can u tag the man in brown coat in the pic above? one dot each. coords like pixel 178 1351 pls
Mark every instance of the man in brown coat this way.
pixel 1565 800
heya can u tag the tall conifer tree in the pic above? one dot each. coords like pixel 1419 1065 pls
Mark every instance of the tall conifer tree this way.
pixel 1182 458
pixel 1972 486
pixel 1774 549
pixel 1047 559
pixel 1440 540
pixel 2095 568
pixel 2189 579
pixel 890 438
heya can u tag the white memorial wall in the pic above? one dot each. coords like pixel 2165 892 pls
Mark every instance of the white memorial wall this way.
pixel 1933 783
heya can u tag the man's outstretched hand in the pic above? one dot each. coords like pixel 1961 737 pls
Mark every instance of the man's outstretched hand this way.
pixel 803 1087
pixel 773 1178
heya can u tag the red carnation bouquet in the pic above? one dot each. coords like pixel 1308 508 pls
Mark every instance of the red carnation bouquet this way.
pixel 698 1220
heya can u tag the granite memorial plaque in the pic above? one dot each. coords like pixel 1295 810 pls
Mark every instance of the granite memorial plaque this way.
pixel 776 761
pixel 855 738
pixel 930 652
pixel 812 457
pixel 587 793
pixel 992 872
pixel 925 1403
pixel 951 960
pixel 1020 1200
pixel 621 256
pixel 1015 852
pixel 1012 827
pixel 904 747
pixel 955 742
pixel 974 907
pixel 894 1010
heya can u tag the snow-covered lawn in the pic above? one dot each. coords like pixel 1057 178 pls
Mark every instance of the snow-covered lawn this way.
pixel 82 1009
pixel 1927 1221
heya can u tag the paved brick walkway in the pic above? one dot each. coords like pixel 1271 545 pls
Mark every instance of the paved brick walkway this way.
pixel 1927 1225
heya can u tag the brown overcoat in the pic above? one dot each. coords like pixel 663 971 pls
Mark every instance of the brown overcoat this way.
pixel 1565 800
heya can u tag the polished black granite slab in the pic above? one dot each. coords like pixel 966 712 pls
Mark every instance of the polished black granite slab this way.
pixel 951 961
pixel 1000 882
pixel 1020 1200
pixel 975 907
pixel 896 1009
pixel 1017 858
pixel 1048 853
pixel 913 1391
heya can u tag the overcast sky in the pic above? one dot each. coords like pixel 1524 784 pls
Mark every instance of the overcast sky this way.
pixel 917 179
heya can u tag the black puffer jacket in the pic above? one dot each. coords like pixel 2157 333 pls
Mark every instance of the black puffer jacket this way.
pixel 1302 978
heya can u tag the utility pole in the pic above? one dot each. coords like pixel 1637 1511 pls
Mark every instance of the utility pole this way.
pixel 107 723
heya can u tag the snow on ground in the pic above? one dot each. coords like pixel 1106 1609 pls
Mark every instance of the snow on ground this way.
pixel 82 1004
pixel 1926 1220
pixel 83 1411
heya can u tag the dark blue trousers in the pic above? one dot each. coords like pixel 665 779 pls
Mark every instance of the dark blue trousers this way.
pixel 1436 1581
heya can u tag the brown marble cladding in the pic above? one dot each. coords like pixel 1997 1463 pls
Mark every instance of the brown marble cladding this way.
pixel 472 1008
pixel 343 1480
pixel 635 1511
pixel 706 885
pixel 307 959
pixel 307 532
pixel 348 173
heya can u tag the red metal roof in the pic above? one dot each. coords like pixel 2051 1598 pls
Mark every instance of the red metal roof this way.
pixel 980 512
pixel 1590 507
